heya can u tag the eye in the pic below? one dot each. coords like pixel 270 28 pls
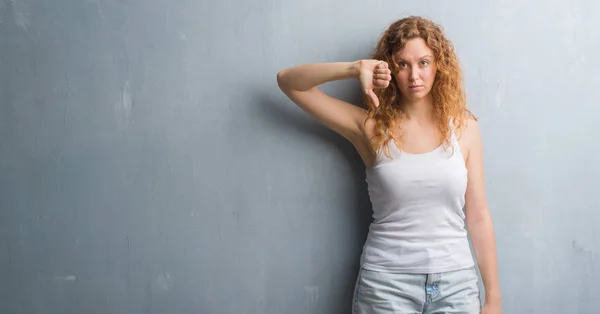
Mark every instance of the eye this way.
pixel 424 62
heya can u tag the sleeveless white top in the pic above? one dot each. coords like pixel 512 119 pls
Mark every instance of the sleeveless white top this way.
pixel 418 219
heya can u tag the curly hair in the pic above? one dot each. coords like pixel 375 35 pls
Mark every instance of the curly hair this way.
pixel 447 93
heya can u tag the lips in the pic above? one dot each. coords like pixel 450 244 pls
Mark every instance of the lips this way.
pixel 415 87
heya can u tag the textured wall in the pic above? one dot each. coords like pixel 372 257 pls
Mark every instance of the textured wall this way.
pixel 149 163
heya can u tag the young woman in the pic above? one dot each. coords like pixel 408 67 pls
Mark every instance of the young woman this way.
pixel 423 155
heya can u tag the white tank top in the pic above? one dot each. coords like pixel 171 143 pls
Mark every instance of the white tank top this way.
pixel 418 219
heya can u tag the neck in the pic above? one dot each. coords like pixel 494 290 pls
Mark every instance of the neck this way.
pixel 419 110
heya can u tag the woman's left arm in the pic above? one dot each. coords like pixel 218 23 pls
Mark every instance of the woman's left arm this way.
pixel 479 220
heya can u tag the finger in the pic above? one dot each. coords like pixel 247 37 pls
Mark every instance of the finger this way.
pixel 381 84
pixel 374 98
pixel 383 77
pixel 383 71
pixel 378 74
pixel 384 82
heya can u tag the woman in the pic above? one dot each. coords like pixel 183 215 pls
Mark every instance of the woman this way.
pixel 423 155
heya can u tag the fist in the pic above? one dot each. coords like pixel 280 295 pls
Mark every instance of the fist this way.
pixel 374 74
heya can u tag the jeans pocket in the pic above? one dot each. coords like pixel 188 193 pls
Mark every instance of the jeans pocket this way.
pixel 356 291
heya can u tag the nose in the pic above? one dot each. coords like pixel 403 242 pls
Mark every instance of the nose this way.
pixel 414 74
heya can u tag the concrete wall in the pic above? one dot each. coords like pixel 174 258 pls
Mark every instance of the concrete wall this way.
pixel 149 163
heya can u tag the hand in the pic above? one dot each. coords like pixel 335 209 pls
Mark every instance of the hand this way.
pixel 373 74
pixel 491 308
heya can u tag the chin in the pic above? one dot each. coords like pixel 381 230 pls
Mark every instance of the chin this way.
pixel 413 96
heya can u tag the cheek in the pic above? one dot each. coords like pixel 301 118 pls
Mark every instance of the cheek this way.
pixel 401 78
pixel 429 74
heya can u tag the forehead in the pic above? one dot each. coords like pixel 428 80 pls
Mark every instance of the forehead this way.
pixel 414 49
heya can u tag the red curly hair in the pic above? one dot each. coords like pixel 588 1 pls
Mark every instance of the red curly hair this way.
pixel 449 100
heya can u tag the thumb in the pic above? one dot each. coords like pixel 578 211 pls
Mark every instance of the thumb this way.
pixel 373 97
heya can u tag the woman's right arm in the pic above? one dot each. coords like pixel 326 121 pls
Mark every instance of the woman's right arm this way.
pixel 300 85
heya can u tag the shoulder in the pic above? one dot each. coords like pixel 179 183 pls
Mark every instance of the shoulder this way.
pixel 469 128
pixel 369 127
pixel 364 143
pixel 468 133
pixel 471 137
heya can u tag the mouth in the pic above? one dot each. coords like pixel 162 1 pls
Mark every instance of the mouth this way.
pixel 416 87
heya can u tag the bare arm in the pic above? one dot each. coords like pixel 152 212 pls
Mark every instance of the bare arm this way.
pixel 300 85
pixel 478 217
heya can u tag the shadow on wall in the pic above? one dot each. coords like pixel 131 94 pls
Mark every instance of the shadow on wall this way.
pixel 280 114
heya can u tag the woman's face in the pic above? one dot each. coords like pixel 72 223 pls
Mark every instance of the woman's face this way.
pixel 417 71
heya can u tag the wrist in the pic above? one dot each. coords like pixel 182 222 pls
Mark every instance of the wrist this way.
pixel 354 68
pixel 493 296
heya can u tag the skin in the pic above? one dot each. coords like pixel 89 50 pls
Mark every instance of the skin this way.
pixel 419 133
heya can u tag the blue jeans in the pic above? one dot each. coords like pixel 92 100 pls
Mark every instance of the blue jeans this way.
pixel 439 293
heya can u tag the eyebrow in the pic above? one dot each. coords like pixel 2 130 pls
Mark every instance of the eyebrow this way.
pixel 423 57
